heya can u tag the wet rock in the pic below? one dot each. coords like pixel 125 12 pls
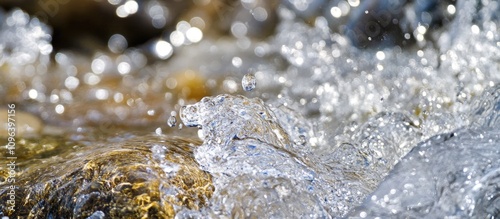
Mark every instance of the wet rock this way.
pixel 129 179
pixel 23 123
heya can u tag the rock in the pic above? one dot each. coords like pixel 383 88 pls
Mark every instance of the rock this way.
pixel 142 177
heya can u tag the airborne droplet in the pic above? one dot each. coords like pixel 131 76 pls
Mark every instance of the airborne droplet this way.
pixel 172 121
pixel 248 82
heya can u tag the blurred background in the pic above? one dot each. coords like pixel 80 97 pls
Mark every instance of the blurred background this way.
pixel 99 50
pixel 88 25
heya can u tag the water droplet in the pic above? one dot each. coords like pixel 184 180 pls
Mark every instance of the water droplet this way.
pixel 158 131
pixel 117 43
pixel 172 121
pixel 248 82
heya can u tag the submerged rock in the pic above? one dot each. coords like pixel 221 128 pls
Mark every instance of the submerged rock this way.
pixel 142 177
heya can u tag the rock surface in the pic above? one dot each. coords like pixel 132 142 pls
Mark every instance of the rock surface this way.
pixel 141 177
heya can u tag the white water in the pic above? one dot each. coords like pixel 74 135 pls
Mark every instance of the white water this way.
pixel 364 111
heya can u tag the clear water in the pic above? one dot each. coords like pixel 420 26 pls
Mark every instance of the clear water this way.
pixel 172 121
pixel 327 131
pixel 453 174
pixel 363 141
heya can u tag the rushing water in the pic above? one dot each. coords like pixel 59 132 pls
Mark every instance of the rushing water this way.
pixel 368 111
pixel 324 129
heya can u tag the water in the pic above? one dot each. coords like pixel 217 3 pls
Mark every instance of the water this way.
pixel 251 157
pixel 369 115
pixel 172 121
pixel 24 40
pixel 234 129
pixel 331 131
pixel 453 174
pixel 248 82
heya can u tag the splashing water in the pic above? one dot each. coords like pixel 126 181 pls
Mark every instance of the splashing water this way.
pixel 258 169
pixel 454 174
pixel 245 143
pixel 366 112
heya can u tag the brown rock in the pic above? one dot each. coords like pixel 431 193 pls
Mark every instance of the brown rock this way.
pixel 122 180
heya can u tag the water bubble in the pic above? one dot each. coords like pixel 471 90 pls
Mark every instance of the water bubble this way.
pixel 59 109
pixel 239 29
pixel 98 66
pixel 101 94
pixel 163 49
pixel 260 14
pixel 354 3
pixel 177 38
pixel 131 7
pixel 71 83
pixel 172 121
pixel 336 12
pixel 380 55
pixel 91 79
pixel 123 68
pixel 33 94
pixel 194 34
pixel 237 62
pixel 229 85
pixel 117 43
pixel 451 9
pixel 248 82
